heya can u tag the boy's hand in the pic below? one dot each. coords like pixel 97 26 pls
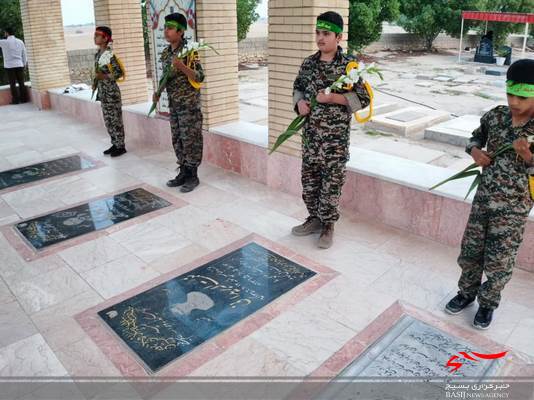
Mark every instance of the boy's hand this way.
pixel 522 148
pixel 324 98
pixel 481 157
pixel 155 98
pixel 179 64
pixel 101 76
pixel 304 107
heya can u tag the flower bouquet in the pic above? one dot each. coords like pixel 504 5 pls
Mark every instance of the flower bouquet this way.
pixel 354 72
pixel 188 52
pixel 104 60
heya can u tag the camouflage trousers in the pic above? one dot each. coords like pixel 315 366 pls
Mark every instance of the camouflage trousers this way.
pixel 490 244
pixel 186 128
pixel 324 159
pixel 112 112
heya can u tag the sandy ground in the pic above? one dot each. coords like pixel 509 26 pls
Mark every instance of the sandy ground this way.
pixel 79 37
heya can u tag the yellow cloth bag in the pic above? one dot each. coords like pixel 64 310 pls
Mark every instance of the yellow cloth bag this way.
pixel 190 60
pixel 531 186
pixel 350 66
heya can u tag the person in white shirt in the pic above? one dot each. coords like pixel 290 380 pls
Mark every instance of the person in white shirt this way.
pixel 14 54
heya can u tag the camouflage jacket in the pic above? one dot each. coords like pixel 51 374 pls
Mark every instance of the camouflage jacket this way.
pixel 504 182
pixel 315 75
pixel 179 90
pixel 108 90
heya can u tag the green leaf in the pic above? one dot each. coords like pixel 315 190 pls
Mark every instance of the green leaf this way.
pixel 204 46
pixel 459 175
pixel 281 139
pixel 475 183
pixel 501 150
pixel 152 109
pixel 297 123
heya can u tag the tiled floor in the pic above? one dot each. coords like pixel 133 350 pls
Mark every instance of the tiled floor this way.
pixel 377 264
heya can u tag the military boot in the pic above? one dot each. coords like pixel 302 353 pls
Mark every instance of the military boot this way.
pixel 180 178
pixel 191 180
pixel 309 227
pixel 327 236
pixel 110 150
pixel 118 151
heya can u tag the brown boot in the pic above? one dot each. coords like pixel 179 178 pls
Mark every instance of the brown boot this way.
pixel 309 227
pixel 327 236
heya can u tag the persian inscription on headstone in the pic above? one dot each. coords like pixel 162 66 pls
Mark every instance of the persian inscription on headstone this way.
pixel 412 348
pixel 407 117
pixel 99 214
pixel 43 170
pixel 169 320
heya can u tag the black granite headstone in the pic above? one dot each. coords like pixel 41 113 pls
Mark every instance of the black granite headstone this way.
pixel 66 224
pixel 172 319
pixel 484 53
pixel 48 169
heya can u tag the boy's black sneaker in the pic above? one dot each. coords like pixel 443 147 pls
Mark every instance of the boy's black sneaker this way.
pixel 483 318
pixel 116 152
pixel 458 303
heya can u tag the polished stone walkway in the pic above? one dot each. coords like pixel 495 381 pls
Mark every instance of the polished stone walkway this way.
pixel 376 265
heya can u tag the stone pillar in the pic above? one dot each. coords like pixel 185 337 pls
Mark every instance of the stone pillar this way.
pixel 291 39
pixel 217 25
pixel 124 19
pixel 45 44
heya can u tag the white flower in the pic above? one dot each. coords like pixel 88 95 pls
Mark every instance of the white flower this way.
pixel 327 91
pixel 201 42
pixel 354 75
pixel 105 58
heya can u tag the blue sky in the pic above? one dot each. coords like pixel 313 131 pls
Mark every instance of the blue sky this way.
pixel 78 12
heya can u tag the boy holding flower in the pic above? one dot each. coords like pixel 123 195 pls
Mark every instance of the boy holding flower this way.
pixel 107 71
pixel 326 135
pixel 184 103
pixel 503 199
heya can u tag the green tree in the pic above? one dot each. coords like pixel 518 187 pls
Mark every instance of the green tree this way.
pixel 9 16
pixel 501 30
pixel 365 20
pixel 428 18
pixel 246 16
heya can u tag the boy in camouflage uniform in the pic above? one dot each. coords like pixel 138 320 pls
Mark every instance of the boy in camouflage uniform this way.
pixel 107 72
pixel 184 104
pixel 325 144
pixel 502 202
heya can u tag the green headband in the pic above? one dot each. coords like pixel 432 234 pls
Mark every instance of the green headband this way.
pixel 328 26
pixel 520 89
pixel 174 24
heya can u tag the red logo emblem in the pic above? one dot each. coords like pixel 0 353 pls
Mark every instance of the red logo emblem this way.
pixel 456 365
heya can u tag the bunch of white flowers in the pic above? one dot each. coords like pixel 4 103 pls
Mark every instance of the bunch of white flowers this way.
pixel 353 76
pixel 105 58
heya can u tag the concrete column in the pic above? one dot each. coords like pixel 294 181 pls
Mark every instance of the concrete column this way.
pixel 217 25
pixel 124 19
pixel 291 39
pixel 45 44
